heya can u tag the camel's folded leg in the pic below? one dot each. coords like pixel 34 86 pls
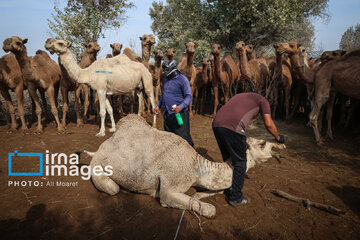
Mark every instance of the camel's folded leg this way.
pixel 200 195
pixel 169 198
pixel 105 184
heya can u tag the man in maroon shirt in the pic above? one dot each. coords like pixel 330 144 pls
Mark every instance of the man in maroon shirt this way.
pixel 229 126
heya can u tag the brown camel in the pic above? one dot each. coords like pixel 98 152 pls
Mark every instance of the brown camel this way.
pixel 40 72
pixel 201 82
pixel 255 72
pixel 281 81
pixel 11 79
pixel 170 54
pixel 342 74
pixel 147 40
pixel 158 76
pixel 225 72
pixel 250 52
pixel 187 67
pixel 67 84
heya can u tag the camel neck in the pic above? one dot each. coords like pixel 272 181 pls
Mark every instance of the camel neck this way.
pixel 24 63
pixel 217 64
pixel 243 61
pixel 253 55
pixel 145 49
pixel 69 63
pixel 278 58
pixel 158 62
pixel 207 171
pixel 204 72
pixel 190 59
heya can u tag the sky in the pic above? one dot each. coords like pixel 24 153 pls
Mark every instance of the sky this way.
pixel 28 19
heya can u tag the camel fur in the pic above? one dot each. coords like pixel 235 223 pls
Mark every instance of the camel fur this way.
pixel 40 72
pixel 163 165
pixel 117 75
pixel 170 54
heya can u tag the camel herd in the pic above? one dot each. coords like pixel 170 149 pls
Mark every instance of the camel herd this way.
pixel 290 80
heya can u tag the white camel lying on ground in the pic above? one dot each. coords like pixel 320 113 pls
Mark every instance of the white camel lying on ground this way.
pixel 162 164
pixel 117 75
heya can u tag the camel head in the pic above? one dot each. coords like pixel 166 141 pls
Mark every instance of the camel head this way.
pixel 290 48
pixel 331 55
pixel 260 150
pixel 170 53
pixel 190 47
pixel 116 48
pixel 216 49
pixel 14 44
pixel 240 47
pixel 57 46
pixel 92 47
pixel 158 54
pixel 147 39
pixel 204 61
pixel 249 48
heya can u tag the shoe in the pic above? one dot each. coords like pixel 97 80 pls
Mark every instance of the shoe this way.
pixel 241 201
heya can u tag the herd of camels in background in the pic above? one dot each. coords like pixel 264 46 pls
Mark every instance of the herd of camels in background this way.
pixel 290 80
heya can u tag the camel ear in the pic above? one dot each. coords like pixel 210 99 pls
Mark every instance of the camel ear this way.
pixel 111 45
pixel 86 45
pixel 140 38
pixel 195 44
pixel 275 46
pixel 25 41
pixel 154 52
pixel 343 52
pixel 69 44
pixel 299 44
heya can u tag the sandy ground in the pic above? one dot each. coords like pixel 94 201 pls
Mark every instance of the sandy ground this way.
pixel 328 175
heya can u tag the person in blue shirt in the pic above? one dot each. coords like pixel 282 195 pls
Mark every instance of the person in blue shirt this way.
pixel 177 91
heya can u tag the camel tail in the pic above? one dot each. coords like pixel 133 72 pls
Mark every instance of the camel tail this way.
pixel 91 154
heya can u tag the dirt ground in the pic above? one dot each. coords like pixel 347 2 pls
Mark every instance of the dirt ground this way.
pixel 328 175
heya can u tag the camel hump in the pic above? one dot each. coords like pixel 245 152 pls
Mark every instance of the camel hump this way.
pixel 130 53
pixel 355 53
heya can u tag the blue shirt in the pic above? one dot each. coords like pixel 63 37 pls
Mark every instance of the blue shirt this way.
pixel 177 91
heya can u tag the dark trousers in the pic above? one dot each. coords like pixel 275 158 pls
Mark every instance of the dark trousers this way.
pixel 233 144
pixel 171 125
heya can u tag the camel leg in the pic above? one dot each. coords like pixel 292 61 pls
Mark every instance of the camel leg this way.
pixel 216 99
pixel 195 100
pixel 65 108
pixel 120 105
pixel 329 114
pixel 51 93
pixel 102 101
pixel 150 95
pixel 353 107
pixel 276 101
pixel 109 110
pixel 102 182
pixel 132 101
pixel 287 102
pixel 86 103
pixel 169 198
pixel 202 96
pixel 35 98
pixel 157 91
pixel 314 115
pixel 44 103
pixel 79 120
pixel 7 97
pixel 19 91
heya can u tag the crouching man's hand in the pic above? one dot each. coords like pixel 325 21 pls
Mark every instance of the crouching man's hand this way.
pixel 281 139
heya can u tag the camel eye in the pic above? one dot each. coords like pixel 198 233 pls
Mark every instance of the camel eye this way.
pixel 18 43
pixel 292 46
pixel 61 44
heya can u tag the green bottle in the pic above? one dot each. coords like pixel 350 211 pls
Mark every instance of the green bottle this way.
pixel 178 117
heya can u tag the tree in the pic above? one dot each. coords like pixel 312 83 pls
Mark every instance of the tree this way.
pixel 84 21
pixel 260 22
pixel 350 40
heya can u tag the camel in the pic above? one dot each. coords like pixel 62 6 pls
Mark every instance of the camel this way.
pixel 281 81
pixel 67 84
pixel 116 50
pixel 255 71
pixel 158 76
pixel 187 67
pixel 146 160
pixel 40 72
pixel 225 72
pixel 250 52
pixel 343 75
pixel 11 79
pixel 107 76
pixel 170 54
pixel 201 82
